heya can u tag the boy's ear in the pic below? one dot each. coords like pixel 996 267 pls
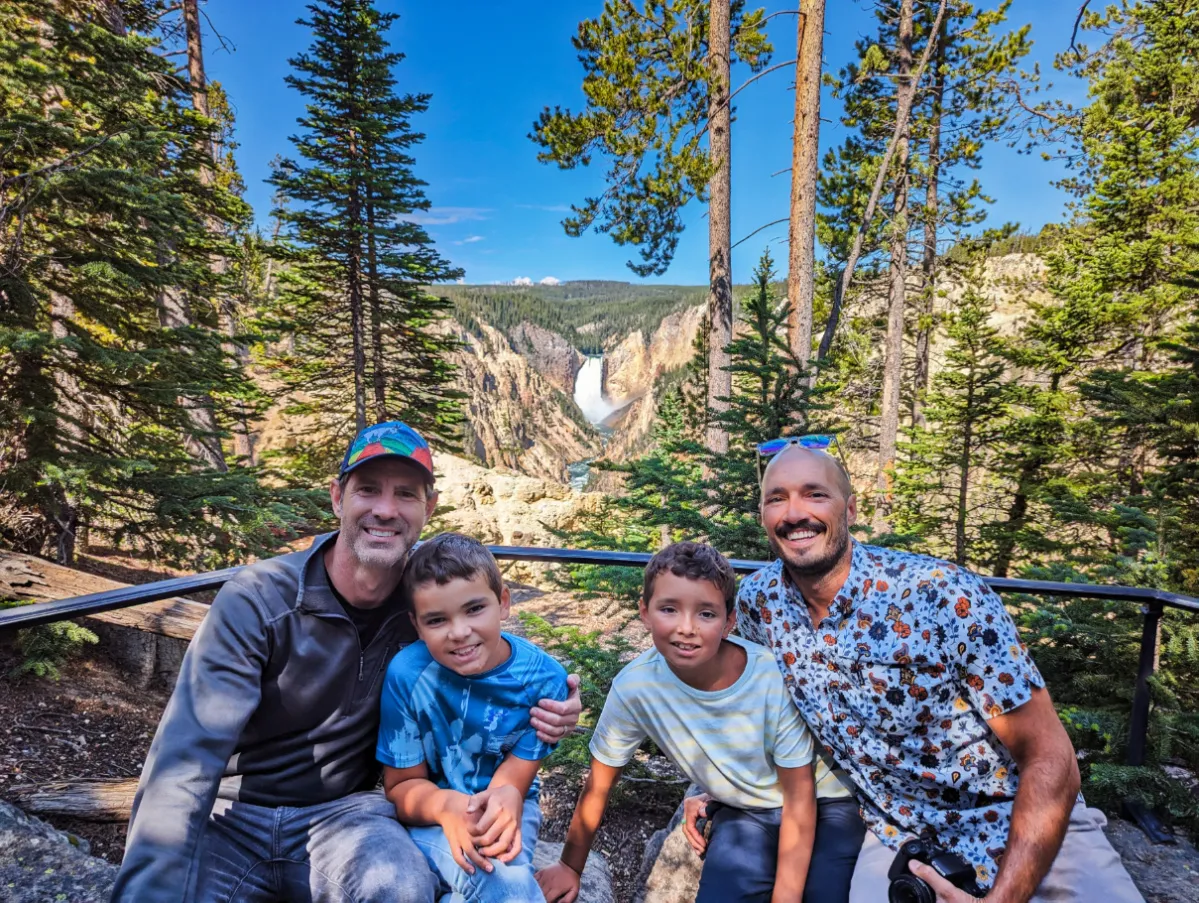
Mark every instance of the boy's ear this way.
pixel 412 617
pixel 730 622
pixel 505 602
pixel 643 611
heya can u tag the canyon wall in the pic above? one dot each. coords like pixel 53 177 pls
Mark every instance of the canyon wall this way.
pixel 632 365
pixel 517 417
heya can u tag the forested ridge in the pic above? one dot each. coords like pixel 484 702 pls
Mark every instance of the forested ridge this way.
pixel 588 314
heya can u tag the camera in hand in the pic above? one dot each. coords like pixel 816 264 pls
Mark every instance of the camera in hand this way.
pixel 907 888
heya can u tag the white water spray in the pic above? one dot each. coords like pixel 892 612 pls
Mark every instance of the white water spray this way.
pixel 589 391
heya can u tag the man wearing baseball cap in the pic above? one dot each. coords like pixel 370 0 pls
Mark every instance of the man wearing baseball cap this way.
pixel 260 782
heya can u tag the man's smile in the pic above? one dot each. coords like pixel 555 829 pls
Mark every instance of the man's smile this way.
pixel 381 532
pixel 800 536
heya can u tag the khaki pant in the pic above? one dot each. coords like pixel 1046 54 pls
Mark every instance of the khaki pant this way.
pixel 1086 870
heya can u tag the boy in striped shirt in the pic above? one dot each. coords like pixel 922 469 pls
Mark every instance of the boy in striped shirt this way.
pixel 717 706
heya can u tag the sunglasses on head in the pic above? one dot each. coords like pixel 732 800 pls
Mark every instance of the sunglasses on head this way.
pixel 815 442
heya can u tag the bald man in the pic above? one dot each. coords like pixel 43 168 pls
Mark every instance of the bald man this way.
pixel 911 674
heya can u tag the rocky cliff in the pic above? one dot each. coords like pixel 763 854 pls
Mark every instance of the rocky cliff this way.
pixel 633 364
pixel 516 416
pixel 501 507
pixel 549 354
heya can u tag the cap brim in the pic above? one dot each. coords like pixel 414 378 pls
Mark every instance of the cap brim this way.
pixel 383 456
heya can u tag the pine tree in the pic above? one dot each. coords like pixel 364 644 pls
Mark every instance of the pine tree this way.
pixel 101 172
pixel 969 104
pixel 943 489
pixel 805 174
pixel 657 83
pixel 962 104
pixel 367 344
pixel 1117 280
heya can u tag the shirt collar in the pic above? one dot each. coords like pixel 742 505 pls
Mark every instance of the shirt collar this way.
pixel 848 596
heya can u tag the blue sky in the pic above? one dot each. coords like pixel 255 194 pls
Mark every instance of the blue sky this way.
pixel 492 65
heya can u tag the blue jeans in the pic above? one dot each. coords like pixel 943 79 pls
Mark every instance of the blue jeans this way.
pixel 350 850
pixel 743 854
pixel 510 882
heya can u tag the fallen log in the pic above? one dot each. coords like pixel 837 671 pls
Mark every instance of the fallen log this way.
pixel 26 578
pixel 108 801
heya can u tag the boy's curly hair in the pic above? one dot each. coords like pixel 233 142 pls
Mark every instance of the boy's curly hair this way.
pixel 695 561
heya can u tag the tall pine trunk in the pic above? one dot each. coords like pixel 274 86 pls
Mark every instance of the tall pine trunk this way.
pixel 243 444
pixel 378 380
pixel 925 325
pixel 964 464
pixel 805 168
pixel 354 290
pixel 174 312
pixel 70 412
pixel 897 283
pixel 720 296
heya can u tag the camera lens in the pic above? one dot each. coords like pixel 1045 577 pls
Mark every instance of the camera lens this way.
pixel 910 889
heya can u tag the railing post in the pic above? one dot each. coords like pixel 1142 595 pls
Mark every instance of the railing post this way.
pixel 1138 723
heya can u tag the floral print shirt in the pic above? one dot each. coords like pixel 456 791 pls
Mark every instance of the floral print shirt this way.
pixel 898 683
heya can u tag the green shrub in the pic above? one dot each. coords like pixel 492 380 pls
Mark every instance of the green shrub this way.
pixel 45 648
pixel 1107 786
pixel 597 660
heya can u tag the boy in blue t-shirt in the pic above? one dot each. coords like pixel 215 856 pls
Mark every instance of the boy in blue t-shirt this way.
pixel 460 757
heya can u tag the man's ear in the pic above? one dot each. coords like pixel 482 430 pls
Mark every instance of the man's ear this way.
pixel 430 503
pixel 335 496
pixel 851 510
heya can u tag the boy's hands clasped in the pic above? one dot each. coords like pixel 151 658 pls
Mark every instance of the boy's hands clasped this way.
pixel 496 814
pixel 484 826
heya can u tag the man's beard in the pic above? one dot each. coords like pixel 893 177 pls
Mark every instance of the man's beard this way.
pixel 374 557
pixel 836 543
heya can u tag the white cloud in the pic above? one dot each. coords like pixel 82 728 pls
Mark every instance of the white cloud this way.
pixel 551 280
pixel 550 208
pixel 461 280
pixel 522 280
pixel 443 216
pixel 469 240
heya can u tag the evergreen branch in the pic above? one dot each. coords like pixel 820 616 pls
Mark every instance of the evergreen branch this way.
pixel 728 100
pixel 1077 22
pixel 757 230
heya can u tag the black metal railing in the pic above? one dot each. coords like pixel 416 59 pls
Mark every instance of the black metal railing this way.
pixel 1153 604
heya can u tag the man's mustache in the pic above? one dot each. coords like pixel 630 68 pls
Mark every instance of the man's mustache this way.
pixel 815 526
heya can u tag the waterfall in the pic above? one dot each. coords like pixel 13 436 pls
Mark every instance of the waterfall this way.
pixel 589 391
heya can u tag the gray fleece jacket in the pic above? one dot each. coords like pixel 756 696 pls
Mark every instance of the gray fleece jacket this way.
pixel 277 704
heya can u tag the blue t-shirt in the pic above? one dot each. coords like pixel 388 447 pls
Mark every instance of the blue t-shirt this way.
pixel 462 727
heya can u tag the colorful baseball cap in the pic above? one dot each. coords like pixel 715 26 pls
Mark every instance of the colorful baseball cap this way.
pixel 391 439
